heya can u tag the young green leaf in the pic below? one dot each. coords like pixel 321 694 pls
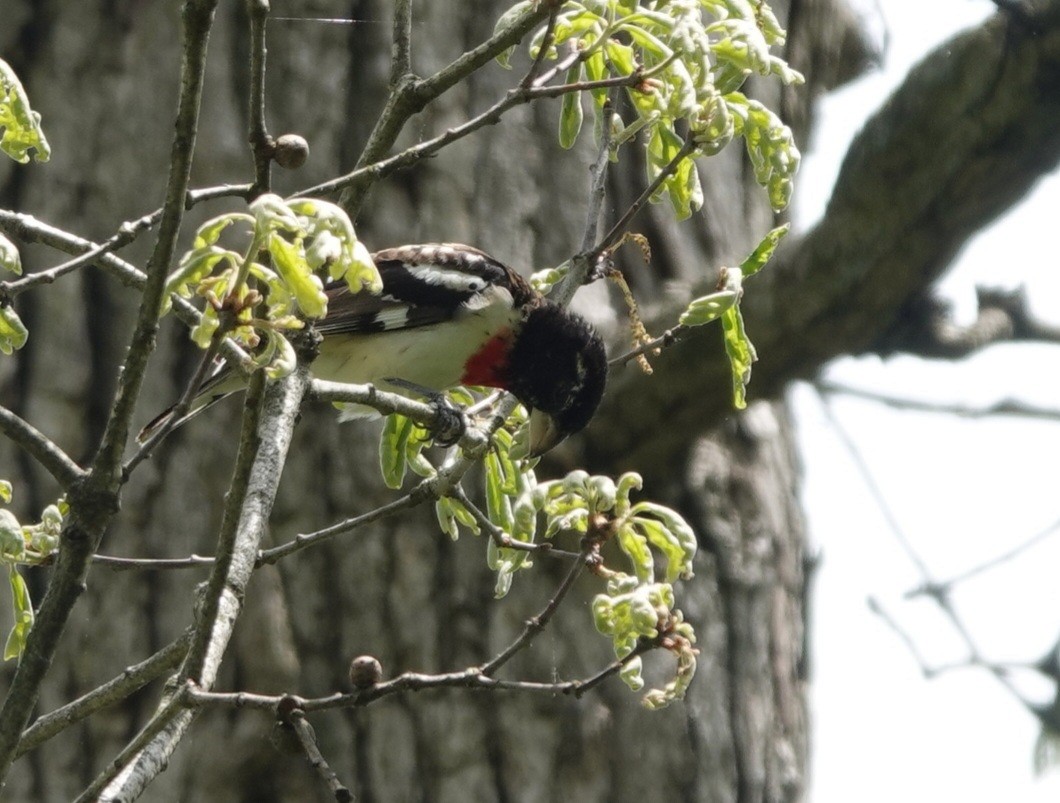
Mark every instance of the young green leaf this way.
pixel 507 19
pixel 19 124
pixel 9 258
pixel 392 461
pixel 571 114
pixel 13 333
pixel 764 251
pixel 23 611
pixel 290 262
pixel 708 308
pixel 741 353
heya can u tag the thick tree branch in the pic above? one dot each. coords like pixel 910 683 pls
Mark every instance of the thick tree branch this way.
pixel 252 495
pixel 925 326
pixel 917 183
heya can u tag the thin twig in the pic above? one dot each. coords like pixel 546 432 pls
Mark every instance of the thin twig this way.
pixel 307 738
pixel 264 440
pixel 503 539
pixel 411 96
pixel 993 563
pixel 546 45
pixel 53 459
pixel 874 489
pixel 536 624
pixel 183 405
pixel 619 228
pixel 581 687
pixel 261 144
pixel 1004 407
pixel 113 691
pixel 938 592
pixel 375 171
pixel 126 233
pixel 119 563
pixel 417 496
pixel 471 678
pixel 29 229
pixel 667 338
pixel 594 209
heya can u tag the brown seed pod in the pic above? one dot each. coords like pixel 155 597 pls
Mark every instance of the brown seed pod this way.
pixel 290 151
pixel 365 671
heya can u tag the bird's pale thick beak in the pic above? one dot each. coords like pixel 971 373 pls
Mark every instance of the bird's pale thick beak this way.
pixel 544 433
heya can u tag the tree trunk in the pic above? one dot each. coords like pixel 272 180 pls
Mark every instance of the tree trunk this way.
pixel 103 74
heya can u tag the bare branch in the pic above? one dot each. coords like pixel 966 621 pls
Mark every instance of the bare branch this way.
pixel 926 327
pixel 184 404
pixel 536 624
pixel 471 678
pixel 263 448
pixel 993 563
pixel 401 48
pixel 372 172
pixel 126 233
pixel 598 179
pixel 125 774
pixel 500 537
pixel 386 403
pixel 654 346
pixel 95 501
pixel 411 96
pixel 113 691
pixel 307 738
pixel 119 564
pixel 29 229
pixel 546 44
pixel 1005 407
pixel 54 460
pixel 418 495
pixel 619 228
pixel 261 144
pixel 873 488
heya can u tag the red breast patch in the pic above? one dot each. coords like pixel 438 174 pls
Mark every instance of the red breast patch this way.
pixel 487 365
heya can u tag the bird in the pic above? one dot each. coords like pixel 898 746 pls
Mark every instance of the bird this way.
pixel 450 314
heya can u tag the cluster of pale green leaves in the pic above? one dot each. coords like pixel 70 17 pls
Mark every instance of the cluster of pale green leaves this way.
pixel 19 124
pixel 686 60
pixel 20 132
pixel 25 544
pixel 637 604
pixel 248 299
pixel 724 304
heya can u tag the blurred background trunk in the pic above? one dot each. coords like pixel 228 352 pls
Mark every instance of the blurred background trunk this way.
pixel 104 75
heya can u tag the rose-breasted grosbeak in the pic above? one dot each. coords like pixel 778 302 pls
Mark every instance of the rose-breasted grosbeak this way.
pixel 450 315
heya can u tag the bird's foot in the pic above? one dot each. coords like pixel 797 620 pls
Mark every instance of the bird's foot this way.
pixel 450 422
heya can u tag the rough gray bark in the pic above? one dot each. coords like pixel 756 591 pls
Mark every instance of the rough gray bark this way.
pixel 398 590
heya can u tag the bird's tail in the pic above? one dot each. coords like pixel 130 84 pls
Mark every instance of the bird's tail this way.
pixel 219 386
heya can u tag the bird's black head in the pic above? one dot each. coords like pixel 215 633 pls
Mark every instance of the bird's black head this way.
pixel 558 367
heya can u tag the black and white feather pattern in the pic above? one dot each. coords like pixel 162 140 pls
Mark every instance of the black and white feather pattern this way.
pixel 422 285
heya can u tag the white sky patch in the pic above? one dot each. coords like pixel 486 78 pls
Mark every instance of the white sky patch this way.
pixel 962 491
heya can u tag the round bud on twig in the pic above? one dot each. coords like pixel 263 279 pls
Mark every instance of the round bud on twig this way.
pixel 365 671
pixel 290 151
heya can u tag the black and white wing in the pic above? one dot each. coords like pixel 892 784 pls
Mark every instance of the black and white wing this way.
pixel 422 285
